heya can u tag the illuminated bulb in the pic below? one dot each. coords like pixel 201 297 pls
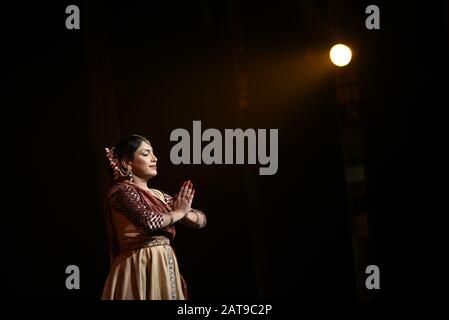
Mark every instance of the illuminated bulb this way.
pixel 340 55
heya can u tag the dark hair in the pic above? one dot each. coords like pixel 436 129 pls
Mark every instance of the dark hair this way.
pixel 126 147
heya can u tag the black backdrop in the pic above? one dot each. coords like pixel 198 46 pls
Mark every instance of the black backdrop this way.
pixel 150 68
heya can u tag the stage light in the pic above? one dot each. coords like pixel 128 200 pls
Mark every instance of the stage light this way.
pixel 340 55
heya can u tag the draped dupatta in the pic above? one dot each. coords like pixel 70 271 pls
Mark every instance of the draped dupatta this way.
pixel 149 202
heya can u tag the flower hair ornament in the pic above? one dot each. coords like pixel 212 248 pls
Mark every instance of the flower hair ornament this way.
pixel 119 171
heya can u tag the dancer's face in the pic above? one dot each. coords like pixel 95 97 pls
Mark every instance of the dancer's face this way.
pixel 144 163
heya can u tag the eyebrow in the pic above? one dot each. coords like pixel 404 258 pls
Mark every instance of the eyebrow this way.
pixel 150 150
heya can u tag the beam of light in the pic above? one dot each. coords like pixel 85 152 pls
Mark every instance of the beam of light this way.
pixel 340 55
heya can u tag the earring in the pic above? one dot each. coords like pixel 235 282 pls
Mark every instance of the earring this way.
pixel 130 176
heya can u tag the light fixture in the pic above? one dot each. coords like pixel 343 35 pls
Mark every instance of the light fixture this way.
pixel 340 55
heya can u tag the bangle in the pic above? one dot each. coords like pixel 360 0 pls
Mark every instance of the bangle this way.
pixel 171 219
pixel 204 220
pixel 197 217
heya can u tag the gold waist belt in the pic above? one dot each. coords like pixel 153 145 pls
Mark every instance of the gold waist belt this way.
pixel 150 243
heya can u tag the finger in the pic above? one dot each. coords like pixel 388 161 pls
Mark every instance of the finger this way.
pixel 190 188
pixel 191 197
pixel 181 190
pixel 184 190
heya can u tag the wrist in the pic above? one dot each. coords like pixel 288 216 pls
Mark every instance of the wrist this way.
pixel 179 214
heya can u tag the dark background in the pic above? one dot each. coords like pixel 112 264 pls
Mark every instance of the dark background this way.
pixel 152 67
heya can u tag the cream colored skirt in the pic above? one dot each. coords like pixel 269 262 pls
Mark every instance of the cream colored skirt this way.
pixel 149 273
